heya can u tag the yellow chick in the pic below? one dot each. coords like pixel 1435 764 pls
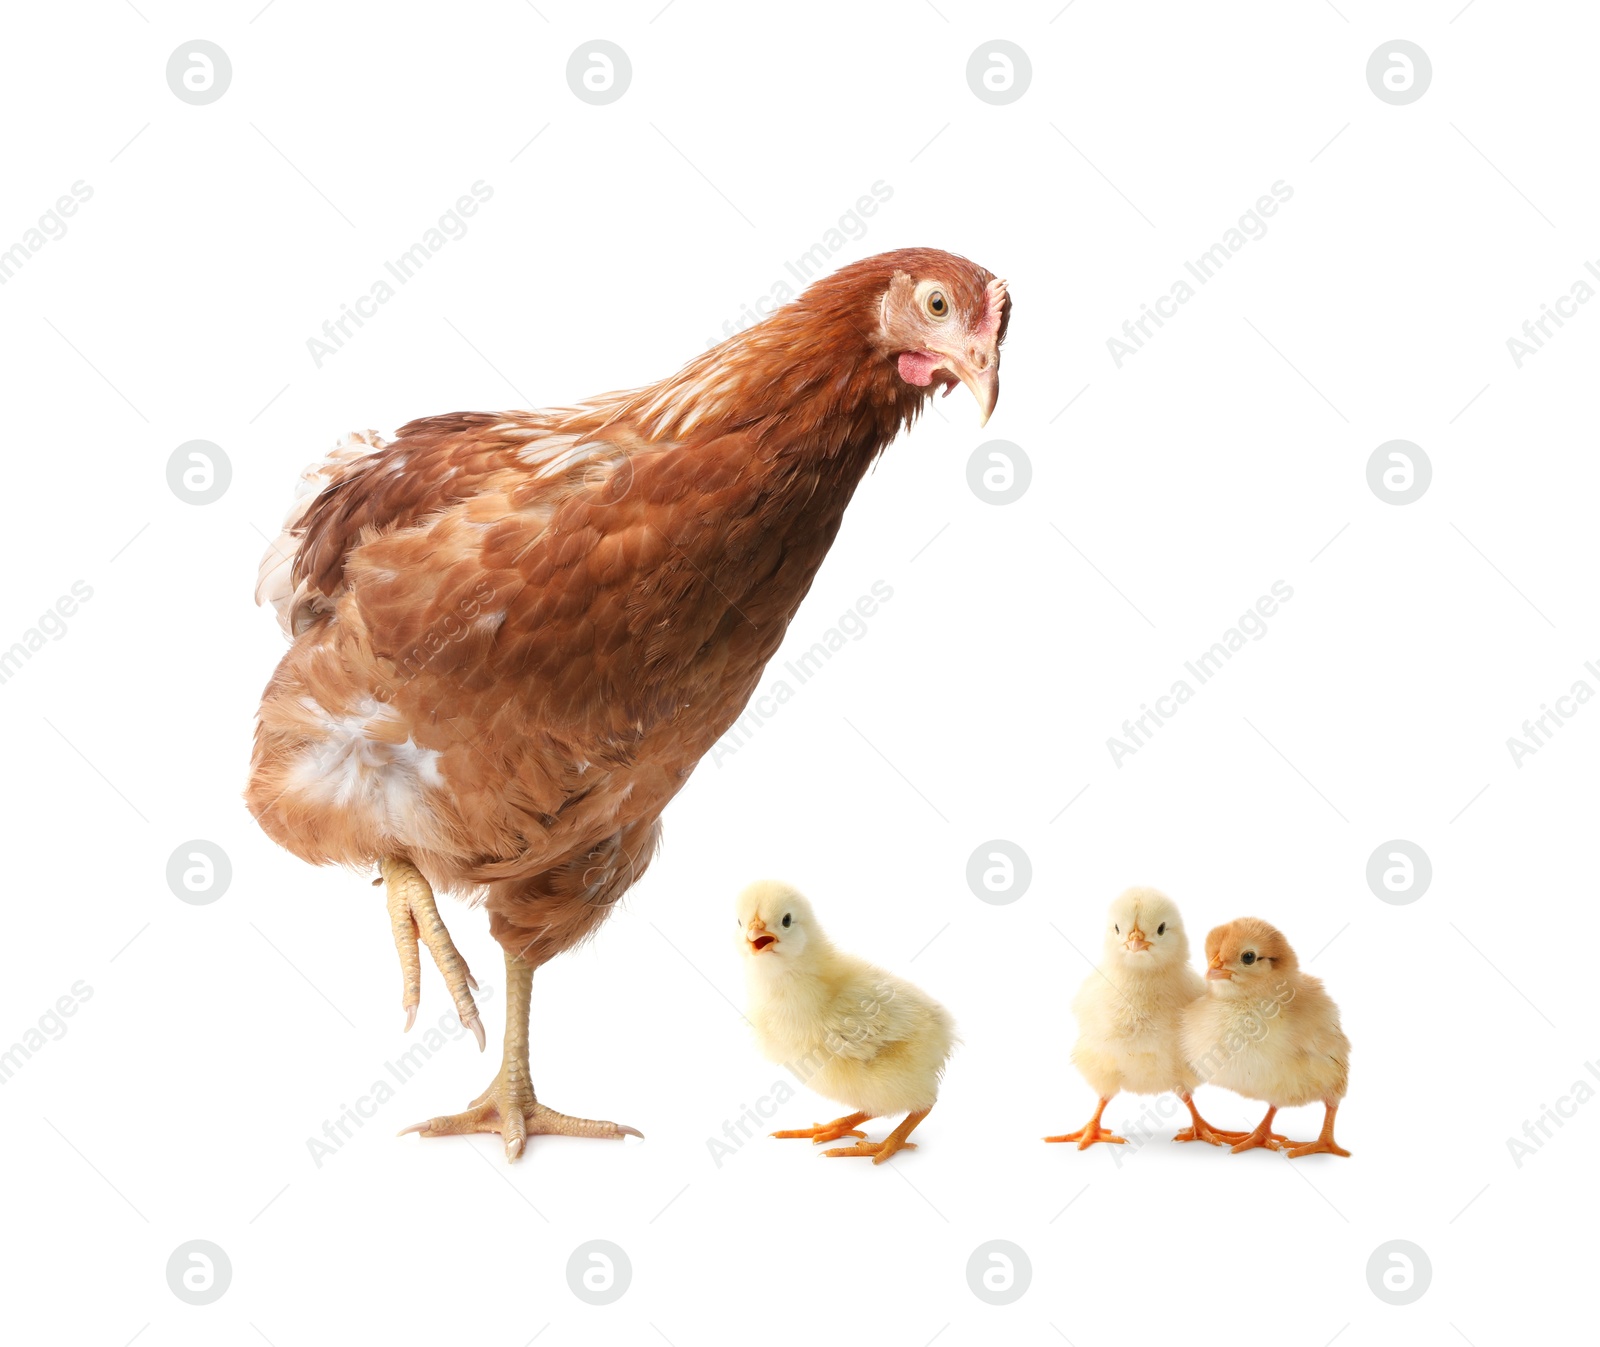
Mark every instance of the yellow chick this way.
pixel 848 1030
pixel 1269 1032
pixel 1129 1011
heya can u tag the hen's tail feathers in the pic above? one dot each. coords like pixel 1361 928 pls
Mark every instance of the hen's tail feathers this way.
pixel 274 579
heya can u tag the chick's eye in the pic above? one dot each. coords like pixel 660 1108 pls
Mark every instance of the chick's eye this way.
pixel 1161 929
pixel 786 918
pixel 1248 957
pixel 1116 928
pixel 936 304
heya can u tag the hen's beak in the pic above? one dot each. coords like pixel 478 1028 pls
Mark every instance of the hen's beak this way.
pixel 978 366
pixel 758 936
pixel 1136 942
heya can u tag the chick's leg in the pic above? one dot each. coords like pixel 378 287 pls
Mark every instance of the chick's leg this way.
pixel 1091 1131
pixel 413 917
pixel 1201 1130
pixel 509 1105
pixel 895 1141
pixel 832 1131
pixel 1324 1144
pixel 1263 1135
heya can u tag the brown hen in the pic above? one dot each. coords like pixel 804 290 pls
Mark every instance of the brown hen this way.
pixel 515 634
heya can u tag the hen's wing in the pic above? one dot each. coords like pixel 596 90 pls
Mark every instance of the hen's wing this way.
pixel 486 559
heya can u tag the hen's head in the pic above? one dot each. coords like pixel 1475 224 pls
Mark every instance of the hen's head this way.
pixel 941 319
pixel 899 325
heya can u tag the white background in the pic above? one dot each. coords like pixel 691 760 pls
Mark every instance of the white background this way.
pixel 1228 454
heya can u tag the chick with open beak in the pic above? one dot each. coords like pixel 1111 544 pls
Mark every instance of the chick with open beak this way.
pixel 851 1032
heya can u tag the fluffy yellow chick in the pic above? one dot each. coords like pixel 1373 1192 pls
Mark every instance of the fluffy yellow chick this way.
pixel 1268 1031
pixel 1129 1011
pixel 848 1030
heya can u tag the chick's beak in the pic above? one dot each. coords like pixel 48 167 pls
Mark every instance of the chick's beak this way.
pixel 758 936
pixel 1217 973
pixel 1136 942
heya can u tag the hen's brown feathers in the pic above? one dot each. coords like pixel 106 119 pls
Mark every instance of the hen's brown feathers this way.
pixel 517 633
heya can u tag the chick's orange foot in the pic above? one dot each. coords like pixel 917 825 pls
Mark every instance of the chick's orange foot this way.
pixel 509 1106
pixel 1263 1137
pixel 817 1133
pixel 882 1150
pixel 1088 1134
pixel 1201 1130
pixel 1091 1131
pixel 1323 1145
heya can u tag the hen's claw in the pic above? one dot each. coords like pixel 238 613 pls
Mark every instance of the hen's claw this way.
pixel 516 1115
pixel 414 918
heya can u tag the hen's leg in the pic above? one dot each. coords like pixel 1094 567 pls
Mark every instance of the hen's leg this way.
pixel 508 1106
pixel 413 917
pixel 895 1141
pixel 1324 1143
pixel 1091 1131
pixel 832 1131
pixel 1201 1130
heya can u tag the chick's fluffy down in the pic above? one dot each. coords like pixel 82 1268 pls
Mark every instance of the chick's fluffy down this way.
pixel 1287 1049
pixel 857 1034
pixel 1128 1033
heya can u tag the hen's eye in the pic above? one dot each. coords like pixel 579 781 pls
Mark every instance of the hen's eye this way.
pixel 936 304
pixel 1161 929
pixel 1248 957
pixel 786 918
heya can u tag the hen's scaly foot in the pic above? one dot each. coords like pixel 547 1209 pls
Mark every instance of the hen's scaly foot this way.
pixel 509 1105
pixel 413 917
pixel 509 1108
pixel 830 1131
pixel 882 1150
